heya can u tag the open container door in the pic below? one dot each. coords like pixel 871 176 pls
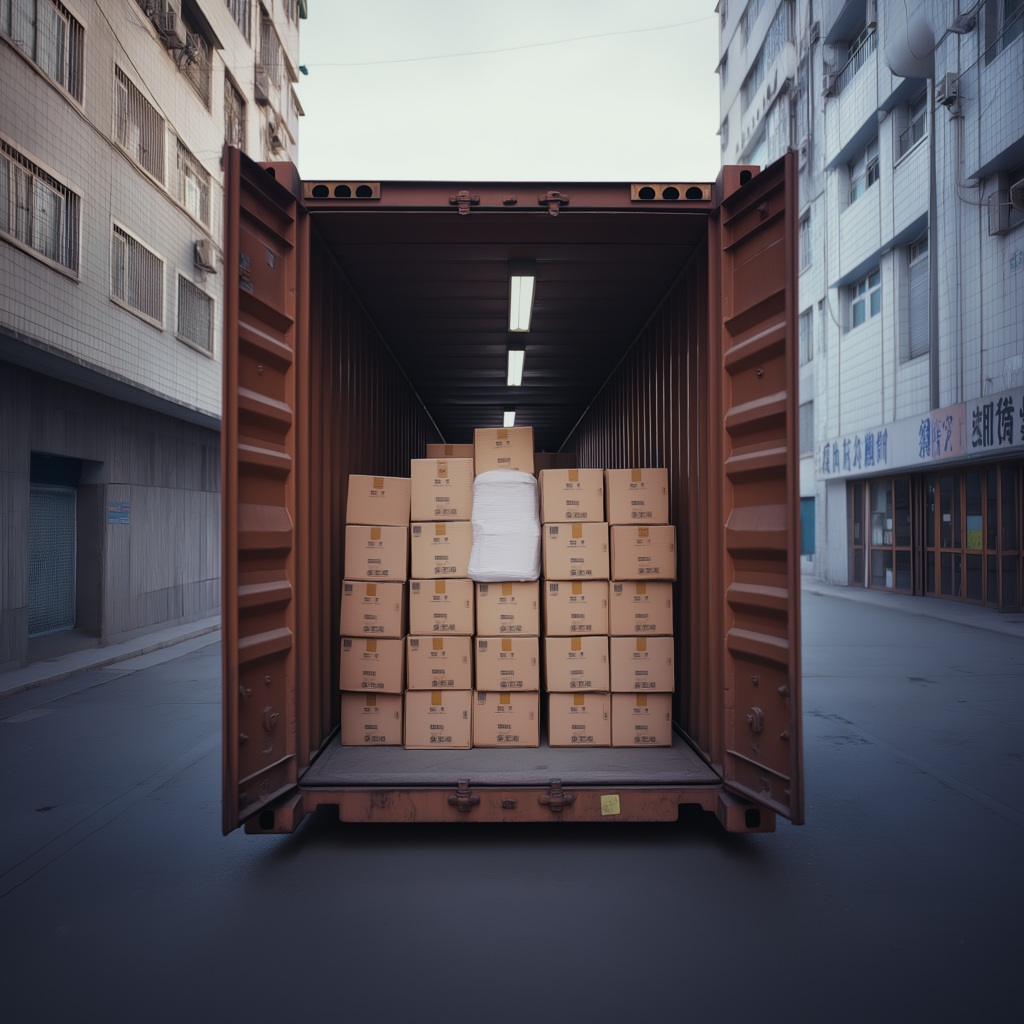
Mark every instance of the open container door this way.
pixel 754 579
pixel 265 741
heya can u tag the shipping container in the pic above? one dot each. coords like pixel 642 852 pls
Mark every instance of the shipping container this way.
pixel 366 320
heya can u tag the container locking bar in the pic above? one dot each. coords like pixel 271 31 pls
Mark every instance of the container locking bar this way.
pixel 556 798
pixel 462 798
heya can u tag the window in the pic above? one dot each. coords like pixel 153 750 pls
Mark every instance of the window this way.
pixel 866 299
pixel 1013 15
pixel 38 210
pixel 807 426
pixel 779 33
pixel 195 62
pixel 140 129
pixel 723 10
pixel 723 71
pixel 195 315
pixel 755 76
pixel 918 117
pixel 918 304
pixel 890 534
pixel 806 257
pixel 724 132
pixel 193 185
pixel 864 171
pixel 862 46
pixel 749 17
pixel 234 115
pixel 271 56
pixel 136 275
pixel 241 11
pixel 46 32
pixel 1004 22
pixel 806 337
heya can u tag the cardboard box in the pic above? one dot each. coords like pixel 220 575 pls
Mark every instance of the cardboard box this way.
pixel 441 550
pixel 439 662
pixel 377 553
pixel 378 500
pixel 636 496
pixel 506 719
pixel 442 489
pixel 436 720
pixel 641 719
pixel 640 609
pixel 503 448
pixel 571 495
pixel 643 664
pixel 575 551
pixel 507 663
pixel 573 663
pixel 371 665
pixel 441 608
pixel 372 609
pixel 508 609
pixel 579 607
pixel 643 552
pixel 450 451
pixel 371 719
pixel 579 720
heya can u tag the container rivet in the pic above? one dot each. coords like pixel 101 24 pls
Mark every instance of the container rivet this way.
pixel 259 370
pixel 784 735
pixel 783 691
pixel 759 372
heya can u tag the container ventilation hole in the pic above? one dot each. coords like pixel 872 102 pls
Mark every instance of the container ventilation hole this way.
pixel 752 816
pixel 271 172
pixel 745 177
pixel 321 192
pixel 342 192
pixel 267 817
pixel 646 192
pixel 695 192
pixel 670 193
pixel 364 192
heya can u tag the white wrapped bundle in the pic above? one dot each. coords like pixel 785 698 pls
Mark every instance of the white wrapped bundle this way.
pixel 506 528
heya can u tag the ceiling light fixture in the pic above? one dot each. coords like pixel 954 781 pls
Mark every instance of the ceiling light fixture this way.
pixel 522 279
pixel 510 418
pixel 516 358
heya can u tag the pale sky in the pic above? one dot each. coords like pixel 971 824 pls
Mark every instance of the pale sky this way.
pixel 632 107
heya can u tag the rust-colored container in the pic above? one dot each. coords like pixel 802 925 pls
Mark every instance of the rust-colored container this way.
pixel 697 301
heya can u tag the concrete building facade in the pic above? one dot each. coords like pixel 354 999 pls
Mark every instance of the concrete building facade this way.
pixel 909 125
pixel 114 119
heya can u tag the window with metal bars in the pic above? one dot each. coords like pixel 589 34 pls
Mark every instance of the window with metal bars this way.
pixel 195 315
pixel 234 115
pixel 241 11
pixel 139 128
pixel 806 337
pixel 37 210
pixel 271 54
pixel 194 62
pixel 136 275
pixel 193 182
pixel 46 33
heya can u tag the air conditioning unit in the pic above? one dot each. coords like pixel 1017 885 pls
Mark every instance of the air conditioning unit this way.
pixel 206 255
pixel 947 90
pixel 804 151
pixel 261 86
pixel 1017 195
pixel 277 142
pixel 171 28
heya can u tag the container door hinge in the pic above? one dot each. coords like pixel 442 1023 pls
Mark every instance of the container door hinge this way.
pixel 556 798
pixel 554 201
pixel 462 798
pixel 463 200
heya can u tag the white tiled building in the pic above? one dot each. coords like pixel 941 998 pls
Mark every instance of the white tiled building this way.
pixel 113 121
pixel 909 122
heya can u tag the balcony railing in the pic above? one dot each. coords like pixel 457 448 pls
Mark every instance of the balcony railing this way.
pixel 856 62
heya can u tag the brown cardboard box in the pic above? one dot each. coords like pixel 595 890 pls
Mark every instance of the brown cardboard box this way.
pixel 377 553
pixel 439 662
pixel 579 720
pixel 372 609
pixel 372 665
pixel 449 451
pixel 643 552
pixel 371 719
pixel 508 609
pixel 378 501
pixel 643 663
pixel 507 662
pixel 573 663
pixel 640 609
pixel 641 719
pixel 436 720
pixel 441 608
pixel 442 489
pixel 637 496
pixel 575 551
pixel 570 495
pixel 506 719
pixel 503 448
pixel 576 608
pixel 441 550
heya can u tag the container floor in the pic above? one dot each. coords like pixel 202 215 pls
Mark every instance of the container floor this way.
pixel 521 766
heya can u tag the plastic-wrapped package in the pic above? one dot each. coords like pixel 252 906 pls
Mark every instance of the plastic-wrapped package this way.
pixel 506 527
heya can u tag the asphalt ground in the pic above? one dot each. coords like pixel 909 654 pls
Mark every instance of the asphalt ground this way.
pixel 899 900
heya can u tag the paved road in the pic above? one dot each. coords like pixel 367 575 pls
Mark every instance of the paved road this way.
pixel 900 900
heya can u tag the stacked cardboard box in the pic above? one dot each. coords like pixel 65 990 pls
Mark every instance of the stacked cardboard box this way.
pixel 373 611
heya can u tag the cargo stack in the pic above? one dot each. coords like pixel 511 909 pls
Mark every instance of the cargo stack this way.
pixel 373 610
pixel 576 568
pixel 439 648
pixel 642 646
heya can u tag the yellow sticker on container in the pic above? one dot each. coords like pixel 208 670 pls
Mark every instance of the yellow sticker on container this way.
pixel 438 643
pixel 641 588
pixel 442 468
pixel 502 435
pixel 574 476
pixel 577 588
pixel 643 531
pixel 371 646
pixel 506 643
pixel 610 804
pixel 577 531
pixel 371 700
pixel 439 586
pixel 506 589
pixel 374 533
pixel 505 698
pixel 436 698
pixel 636 476
pixel 378 483
pixel 641 700
pixel 575 643
pixel 440 530
pixel 577 699
pixel 371 589
pixel 641 643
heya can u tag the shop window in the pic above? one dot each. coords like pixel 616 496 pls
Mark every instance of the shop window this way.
pixel 890 525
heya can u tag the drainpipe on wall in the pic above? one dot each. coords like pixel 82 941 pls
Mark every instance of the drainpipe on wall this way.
pixel 933 262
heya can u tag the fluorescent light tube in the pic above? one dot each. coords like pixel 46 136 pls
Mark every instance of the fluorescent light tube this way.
pixel 516 358
pixel 510 418
pixel 522 279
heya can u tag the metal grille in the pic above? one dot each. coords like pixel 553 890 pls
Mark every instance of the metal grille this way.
pixel 193 185
pixel 270 50
pixel 140 129
pixel 197 66
pixel 195 314
pixel 38 210
pixel 241 11
pixel 857 61
pixel 137 275
pixel 51 559
pixel 46 32
pixel 234 115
